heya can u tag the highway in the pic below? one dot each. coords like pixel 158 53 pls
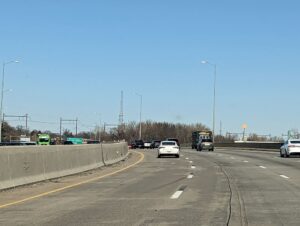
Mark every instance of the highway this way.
pixel 224 187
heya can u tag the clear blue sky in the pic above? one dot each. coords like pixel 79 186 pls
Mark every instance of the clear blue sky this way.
pixel 77 56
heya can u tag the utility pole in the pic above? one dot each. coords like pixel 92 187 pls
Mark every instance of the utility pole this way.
pixel 2 94
pixel 60 127
pixel 76 125
pixel 141 103
pixel 18 116
pixel 121 118
pixel 220 128
pixel 121 115
pixel 214 93
pixel 100 129
pixel 67 120
pixel 26 116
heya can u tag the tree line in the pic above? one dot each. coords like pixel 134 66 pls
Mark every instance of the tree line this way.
pixel 151 130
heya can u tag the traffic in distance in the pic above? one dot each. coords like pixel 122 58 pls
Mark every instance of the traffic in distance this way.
pixel 45 139
pixel 150 144
pixel 203 140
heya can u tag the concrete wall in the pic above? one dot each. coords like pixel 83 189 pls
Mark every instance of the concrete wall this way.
pixel 28 164
pixel 256 145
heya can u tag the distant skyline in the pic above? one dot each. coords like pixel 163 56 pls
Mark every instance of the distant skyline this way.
pixel 77 56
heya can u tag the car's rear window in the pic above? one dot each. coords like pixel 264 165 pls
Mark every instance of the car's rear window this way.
pixel 168 143
pixel 139 142
pixel 295 142
pixel 206 140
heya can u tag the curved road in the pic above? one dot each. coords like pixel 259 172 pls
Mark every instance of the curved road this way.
pixel 225 187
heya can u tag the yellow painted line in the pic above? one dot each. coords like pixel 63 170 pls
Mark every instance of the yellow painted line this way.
pixel 73 185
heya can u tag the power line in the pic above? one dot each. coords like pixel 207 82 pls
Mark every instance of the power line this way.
pixel 67 120
pixel 18 116
pixel 41 122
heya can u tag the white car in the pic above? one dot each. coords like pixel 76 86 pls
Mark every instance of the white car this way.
pixel 168 148
pixel 147 144
pixel 290 147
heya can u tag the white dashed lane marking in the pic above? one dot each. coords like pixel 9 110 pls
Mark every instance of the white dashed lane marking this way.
pixel 190 176
pixel 176 195
pixel 245 161
pixel 193 167
pixel 283 176
pixel 263 167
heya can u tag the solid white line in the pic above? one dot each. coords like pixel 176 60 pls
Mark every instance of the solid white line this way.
pixel 245 161
pixel 176 195
pixel 263 167
pixel 285 177
pixel 190 176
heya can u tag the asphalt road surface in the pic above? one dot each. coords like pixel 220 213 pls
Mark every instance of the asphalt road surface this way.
pixel 224 187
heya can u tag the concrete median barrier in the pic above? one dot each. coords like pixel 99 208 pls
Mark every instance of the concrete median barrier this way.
pixel 113 153
pixel 251 145
pixel 30 164
pixel 5 180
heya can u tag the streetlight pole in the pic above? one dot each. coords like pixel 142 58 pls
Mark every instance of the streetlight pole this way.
pixel 2 93
pixel 214 100
pixel 99 128
pixel 141 102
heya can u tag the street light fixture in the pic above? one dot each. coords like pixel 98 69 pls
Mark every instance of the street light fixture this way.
pixel 141 102
pixel 2 92
pixel 214 101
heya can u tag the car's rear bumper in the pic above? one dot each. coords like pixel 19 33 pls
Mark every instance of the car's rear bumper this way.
pixel 207 147
pixel 293 151
pixel 168 152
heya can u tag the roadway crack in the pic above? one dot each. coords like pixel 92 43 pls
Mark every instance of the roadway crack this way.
pixel 233 190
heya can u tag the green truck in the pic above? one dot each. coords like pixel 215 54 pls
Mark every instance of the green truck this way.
pixel 43 139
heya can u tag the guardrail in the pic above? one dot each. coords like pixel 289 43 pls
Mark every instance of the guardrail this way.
pixel 21 165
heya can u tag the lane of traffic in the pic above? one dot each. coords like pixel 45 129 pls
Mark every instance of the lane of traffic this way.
pixel 134 197
pixel 280 166
pixel 267 197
